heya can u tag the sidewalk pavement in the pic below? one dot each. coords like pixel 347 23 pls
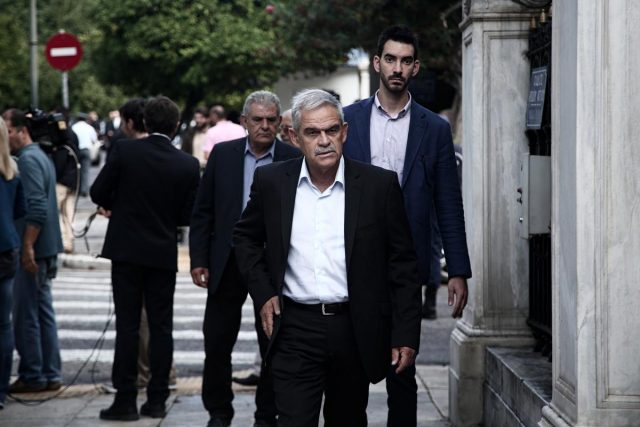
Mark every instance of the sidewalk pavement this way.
pixel 80 405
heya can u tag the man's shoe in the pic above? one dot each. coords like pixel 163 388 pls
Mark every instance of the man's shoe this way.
pixel 120 412
pixel 218 422
pixel 20 386
pixel 54 385
pixel 264 423
pixel 153 410
pixel 249 380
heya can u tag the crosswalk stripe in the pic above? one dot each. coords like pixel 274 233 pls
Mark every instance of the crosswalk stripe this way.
pixel 70 334
pixel 180 357
pixel 86 279
pixel 83 303
pixel 105 305
pixel 107 294
pixel 62 318
pixel 107 287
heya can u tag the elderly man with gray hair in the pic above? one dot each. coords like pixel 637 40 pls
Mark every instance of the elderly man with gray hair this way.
pixel 221 198
pixel 325 246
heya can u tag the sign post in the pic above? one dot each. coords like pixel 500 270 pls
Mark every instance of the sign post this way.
pixel 63 52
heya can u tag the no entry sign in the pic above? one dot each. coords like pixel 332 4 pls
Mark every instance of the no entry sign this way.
pixel 63 51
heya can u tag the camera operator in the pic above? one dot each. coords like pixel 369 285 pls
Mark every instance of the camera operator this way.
pixel 36 335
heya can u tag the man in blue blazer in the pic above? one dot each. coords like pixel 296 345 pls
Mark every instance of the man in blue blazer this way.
pixel 393 131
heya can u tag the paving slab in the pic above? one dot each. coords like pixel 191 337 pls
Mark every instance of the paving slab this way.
pixel 83 404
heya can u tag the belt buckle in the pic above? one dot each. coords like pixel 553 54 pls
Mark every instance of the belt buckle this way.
pixel 325 313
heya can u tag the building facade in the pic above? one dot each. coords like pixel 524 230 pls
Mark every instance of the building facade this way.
pixel 591 375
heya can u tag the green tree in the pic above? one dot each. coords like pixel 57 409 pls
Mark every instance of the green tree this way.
pixel 316 35
pixel 320 34
pixel 187 50
pixel 53 15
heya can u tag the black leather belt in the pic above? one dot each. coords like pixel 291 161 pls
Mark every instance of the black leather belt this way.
pixel 323 309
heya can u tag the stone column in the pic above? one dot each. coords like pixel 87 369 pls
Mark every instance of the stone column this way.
pixel 494 92
pixel 596 214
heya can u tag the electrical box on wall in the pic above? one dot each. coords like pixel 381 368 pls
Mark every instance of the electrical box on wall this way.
pixel 535 195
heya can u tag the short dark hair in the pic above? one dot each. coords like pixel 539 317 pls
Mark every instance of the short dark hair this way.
pixel 17 118
pixel 399 34
pixel 219 111
pixel 161 115
pixel 134 109
pixel 201 110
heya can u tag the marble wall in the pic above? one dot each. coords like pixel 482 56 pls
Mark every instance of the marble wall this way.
pixel 495 89
pixel 596 220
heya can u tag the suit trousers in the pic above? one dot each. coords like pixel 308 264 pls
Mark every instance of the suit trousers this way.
pixel 402 397
pixel 314 355
pixel 131 285
pixel 223 315
pixel 143 355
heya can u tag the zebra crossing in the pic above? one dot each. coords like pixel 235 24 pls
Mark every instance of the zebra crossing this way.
pixel 83 304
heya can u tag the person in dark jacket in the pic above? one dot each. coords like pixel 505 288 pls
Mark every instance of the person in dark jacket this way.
pixel 223 194
pixel 147 188
pixel 11 208
pixel 36 332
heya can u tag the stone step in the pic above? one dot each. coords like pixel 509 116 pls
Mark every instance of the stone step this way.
pixel 517 386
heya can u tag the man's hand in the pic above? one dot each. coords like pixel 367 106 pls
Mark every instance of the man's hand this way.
pixel 458 293
pixel 402 357
pixel 104 212
pixel 200 277
pixel 269 310
pixel 29 259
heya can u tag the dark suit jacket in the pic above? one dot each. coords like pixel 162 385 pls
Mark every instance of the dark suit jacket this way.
pixel 150 187
pixel 384 291
pixel 219 205
pixel 429 177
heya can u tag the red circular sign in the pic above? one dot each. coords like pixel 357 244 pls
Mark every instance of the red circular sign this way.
pixel 63 51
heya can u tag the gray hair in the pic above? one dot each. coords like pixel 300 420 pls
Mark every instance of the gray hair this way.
pixel 312 99
pixel 261 97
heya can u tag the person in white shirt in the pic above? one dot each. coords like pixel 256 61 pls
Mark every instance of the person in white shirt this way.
pixel 325 247
pixel 87 136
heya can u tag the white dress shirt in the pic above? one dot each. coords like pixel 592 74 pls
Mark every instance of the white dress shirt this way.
pixel 316 267
pixel 87 135
pixel 389 136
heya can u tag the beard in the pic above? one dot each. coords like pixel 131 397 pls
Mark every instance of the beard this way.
pixel 396 87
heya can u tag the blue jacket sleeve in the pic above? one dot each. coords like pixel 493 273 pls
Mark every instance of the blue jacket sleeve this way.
pixel 35 190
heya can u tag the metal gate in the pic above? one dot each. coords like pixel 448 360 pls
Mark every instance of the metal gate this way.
pixel 539 139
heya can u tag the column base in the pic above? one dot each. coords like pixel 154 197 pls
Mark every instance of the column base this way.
pixel 550 418
pixel 467 369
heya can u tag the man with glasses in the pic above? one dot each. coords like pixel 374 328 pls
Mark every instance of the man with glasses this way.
pixel 222 196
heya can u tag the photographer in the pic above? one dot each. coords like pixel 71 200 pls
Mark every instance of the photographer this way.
pixel 36 335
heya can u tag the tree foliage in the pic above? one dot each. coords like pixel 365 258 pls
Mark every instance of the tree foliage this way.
pixel 187 50
pixel 53 15
pixel 207 50
pixel 319 34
